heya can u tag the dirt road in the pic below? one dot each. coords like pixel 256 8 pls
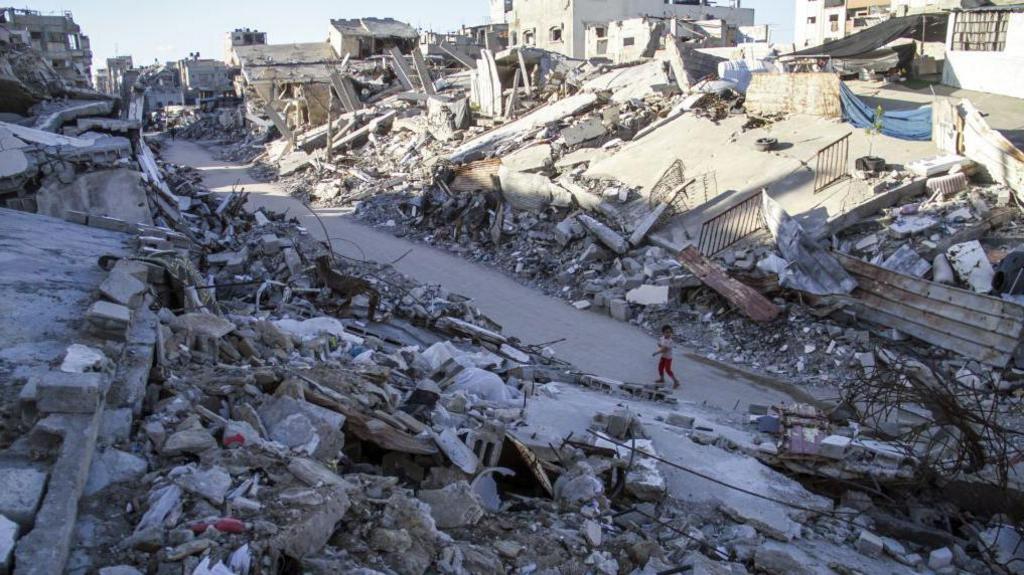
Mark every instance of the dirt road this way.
pixel 594 342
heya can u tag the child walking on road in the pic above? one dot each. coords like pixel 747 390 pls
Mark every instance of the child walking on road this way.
pixel 665 344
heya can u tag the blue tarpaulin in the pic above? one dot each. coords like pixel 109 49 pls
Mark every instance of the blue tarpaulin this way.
pixel 913 124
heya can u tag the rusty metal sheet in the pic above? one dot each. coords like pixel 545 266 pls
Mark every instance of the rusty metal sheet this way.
pixel 749 301
pixel 977 326
pixel 476 176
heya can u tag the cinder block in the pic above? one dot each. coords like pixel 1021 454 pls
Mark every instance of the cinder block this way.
pixel 59 392
pixel 834 446
pixel 122 288
pixel 76 217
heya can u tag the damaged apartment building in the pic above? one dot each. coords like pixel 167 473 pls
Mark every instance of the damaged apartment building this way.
pixel 56 36
pixel 565 26
pixel 203 371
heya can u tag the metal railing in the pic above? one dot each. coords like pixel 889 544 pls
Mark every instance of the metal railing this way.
pixel 732 225
pixel 833 164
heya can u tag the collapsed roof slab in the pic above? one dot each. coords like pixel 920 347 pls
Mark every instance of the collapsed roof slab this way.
pixel 729 153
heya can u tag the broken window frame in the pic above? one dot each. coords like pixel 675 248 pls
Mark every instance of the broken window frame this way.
pixel 555 34
pixel 627 42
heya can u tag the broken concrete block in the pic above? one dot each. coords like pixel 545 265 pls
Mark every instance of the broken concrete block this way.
pixel 271 244
pixel 205 324
pixel 8 537
pixel 316 527
pixel 592 532
pixel 304 427
pixel 648 295
pixel 120 570
pixel 972 266
pixel 940 559
pixel 680 420
pixel 211 484
pixel 532 159
pixel 457 505
pixel 942 272
pixel 113 466
pixel 907 261
pixel 22 492
pixel 867 362
pixel 582 305
pixel 81 359
pixel 109 317
pixel 59 392
pixel 870 544
pixel 122 288
pixel 194 441
pixel 834 446
pixel 608 237
pixel 907 226
pixel 239 434
pixel 620 310
pixel 584 131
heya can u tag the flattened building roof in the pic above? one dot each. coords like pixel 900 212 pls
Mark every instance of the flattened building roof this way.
pixel 286 62
pixel 377 27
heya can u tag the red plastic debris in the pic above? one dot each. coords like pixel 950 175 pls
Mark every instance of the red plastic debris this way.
pixel 237 439
pixel 224 525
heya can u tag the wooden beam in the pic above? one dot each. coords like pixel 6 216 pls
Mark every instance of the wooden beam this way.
pixel 745 298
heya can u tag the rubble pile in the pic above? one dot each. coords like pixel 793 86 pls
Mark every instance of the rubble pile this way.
pixel 512 192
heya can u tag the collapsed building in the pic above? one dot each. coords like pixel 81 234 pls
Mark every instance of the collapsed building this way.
pixel 213 388
pixel 56 36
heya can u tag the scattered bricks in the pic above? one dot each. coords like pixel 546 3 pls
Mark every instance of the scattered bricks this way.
pixel 109 318
pixel 59 392
pixel 108 223
pixel 8 536
pixel 680 420
pixel 619 309
pixel 834 447
pixel 271 244
pixel 870 544
pixel 74 217
pixel 940 559
pixel 21 495
pixel 122 288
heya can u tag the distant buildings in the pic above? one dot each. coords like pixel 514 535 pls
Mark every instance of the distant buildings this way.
pixel 241 37
pixel 205 79
pixel 564 25
pixel 57 37
pixel 820 21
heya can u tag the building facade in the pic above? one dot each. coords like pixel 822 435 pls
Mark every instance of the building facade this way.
pixel 562 25
pixel 117 69
pixel 57 37
pixel 820 21
pixel 365 37
pixel 205 79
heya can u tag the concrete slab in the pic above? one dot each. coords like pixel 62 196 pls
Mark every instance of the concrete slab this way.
pixel 49 279
pixel 22 492
pixel 118 193
pixel 729 153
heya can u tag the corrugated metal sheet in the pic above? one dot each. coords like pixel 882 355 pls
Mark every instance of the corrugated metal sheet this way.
pixel 476 176
pixel 977 326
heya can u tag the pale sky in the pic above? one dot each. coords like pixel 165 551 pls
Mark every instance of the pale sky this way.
pixel 167 30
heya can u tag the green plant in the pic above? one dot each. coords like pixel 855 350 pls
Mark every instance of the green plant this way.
pixel 875 129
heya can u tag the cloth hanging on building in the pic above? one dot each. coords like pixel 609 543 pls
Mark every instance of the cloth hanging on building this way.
pixel 913 124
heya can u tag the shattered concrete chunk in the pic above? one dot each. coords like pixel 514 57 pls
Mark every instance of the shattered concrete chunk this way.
pixel 212 483
pixel 112 466
pixel 193 441
pixel 205 324
pixel 311 533
pixel 22 493
pixel 972 265
pixel 454 506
